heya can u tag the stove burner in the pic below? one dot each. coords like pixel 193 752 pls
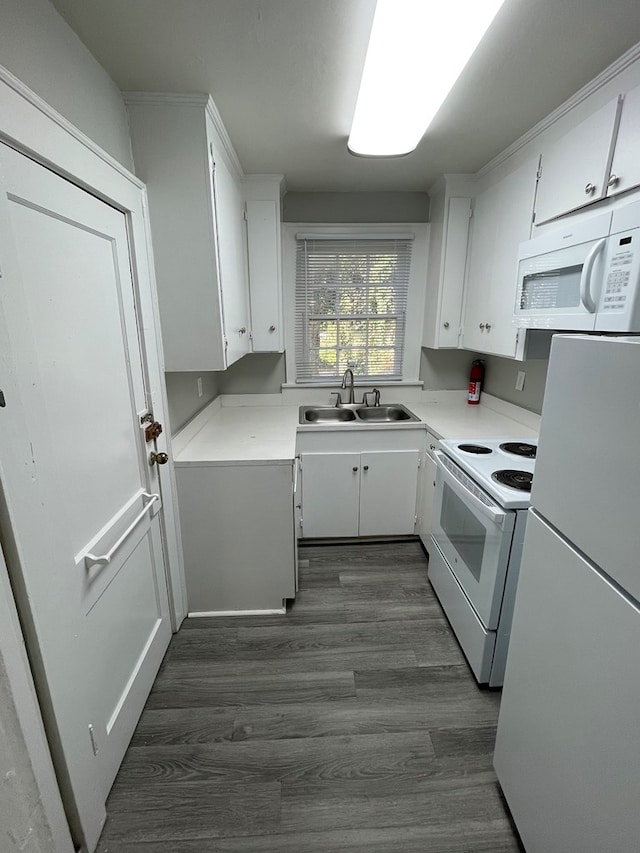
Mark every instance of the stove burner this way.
pixel 520 448
pixel 520 480
pixel 474 448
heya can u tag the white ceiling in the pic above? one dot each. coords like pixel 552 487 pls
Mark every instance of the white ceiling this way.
pixel 285 73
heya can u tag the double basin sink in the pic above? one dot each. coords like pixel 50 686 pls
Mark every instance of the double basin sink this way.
pixel 357 413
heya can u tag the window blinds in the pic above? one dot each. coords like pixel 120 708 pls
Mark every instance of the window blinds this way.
pixel 351 303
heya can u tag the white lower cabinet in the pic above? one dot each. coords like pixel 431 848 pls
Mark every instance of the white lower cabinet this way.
pixel 238 536
pixel 427 491
pixel 366 493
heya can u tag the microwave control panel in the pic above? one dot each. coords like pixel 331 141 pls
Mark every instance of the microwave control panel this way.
pixel 621 271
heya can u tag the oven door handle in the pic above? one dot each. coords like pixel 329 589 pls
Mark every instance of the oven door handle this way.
pixel 496 514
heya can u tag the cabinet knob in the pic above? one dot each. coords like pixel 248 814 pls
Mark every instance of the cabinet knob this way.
pixel 365 467
pixel 355 468
pixel 613 180
pixel 242 331
pixel 481 326
pixel 272 328
pixel 432 447
pixel 488 326
pixel 446 324
pixel 590 188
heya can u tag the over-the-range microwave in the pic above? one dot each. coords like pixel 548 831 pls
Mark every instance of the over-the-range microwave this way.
pixel 584 276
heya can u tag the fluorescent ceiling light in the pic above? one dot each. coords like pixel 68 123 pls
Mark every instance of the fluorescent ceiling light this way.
pixel 416 52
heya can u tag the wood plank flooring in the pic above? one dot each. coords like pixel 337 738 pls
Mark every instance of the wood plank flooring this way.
pixel 351 724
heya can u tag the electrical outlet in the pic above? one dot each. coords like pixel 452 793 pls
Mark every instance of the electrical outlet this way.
pixel 199 384
pixel 520 380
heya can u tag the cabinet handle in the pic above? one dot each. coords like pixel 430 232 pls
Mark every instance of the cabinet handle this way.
pixel 613 180
pixel 242 331
pixel 446 324
pixel 488 326
pixel 355 468
pixel 272 328
pixel 365 467
pixel 590 188
pixel 481 326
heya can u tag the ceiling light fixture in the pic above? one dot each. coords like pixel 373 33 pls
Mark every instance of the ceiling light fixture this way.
pixel 417 50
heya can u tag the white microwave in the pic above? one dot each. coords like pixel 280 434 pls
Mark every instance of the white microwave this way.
pixel 583 277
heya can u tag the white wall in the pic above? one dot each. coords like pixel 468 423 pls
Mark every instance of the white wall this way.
pixel 39 48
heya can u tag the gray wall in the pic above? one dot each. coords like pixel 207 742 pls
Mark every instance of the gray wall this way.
pixel 256 373
pixel 356 207
pixel 445 370
pixel 39 47
pixel 182 395
pixel 500 380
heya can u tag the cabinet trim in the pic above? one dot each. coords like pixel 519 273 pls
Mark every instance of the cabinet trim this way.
pixel 610 73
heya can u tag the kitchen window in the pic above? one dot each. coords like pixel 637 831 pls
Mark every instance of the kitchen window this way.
pixel 351 296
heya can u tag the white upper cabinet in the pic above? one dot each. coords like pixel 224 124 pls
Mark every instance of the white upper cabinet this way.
pixel 501 221
pixel 448 240
pixel 196 211
pixel 263 203
pixel 625 167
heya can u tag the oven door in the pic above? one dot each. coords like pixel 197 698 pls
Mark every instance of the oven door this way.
pixel 474 534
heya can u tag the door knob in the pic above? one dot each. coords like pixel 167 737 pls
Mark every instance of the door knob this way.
pixel 272 328
pixel 590 188
pixel 481 325
pixel 488 326
pixel 354 468
pixel 160 458
pixel 446 325
pixel 613 180
pixel 242 331
pixel 365 468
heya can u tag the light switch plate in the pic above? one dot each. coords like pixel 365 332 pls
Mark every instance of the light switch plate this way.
pixel 520 380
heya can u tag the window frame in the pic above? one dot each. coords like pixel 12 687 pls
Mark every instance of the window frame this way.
pixel 415 296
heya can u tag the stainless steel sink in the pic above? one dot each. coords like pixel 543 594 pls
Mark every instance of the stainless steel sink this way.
pixel 325 415
pixel 358 413
pixel 385 414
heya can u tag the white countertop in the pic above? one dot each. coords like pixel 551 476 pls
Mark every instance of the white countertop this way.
pixel 225 433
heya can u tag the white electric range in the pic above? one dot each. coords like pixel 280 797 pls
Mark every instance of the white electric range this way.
pixel 482 494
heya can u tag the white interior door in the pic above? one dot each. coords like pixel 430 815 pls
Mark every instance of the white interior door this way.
pixel 75 478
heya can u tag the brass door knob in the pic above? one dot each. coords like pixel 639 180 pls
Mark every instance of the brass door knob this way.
pixel 160 458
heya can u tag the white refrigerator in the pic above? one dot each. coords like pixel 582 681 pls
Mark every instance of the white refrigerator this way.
pixel 568 743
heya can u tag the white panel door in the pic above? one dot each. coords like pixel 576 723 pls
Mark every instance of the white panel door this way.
pixel 232 254
pixel 388 492
pixel 567 749
pixel 330 490
pixel 74 471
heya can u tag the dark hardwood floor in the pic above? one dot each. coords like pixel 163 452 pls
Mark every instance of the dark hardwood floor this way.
pixel 351 724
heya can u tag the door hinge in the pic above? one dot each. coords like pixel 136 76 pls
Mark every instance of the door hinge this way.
pixel 245 215
pixel 94 742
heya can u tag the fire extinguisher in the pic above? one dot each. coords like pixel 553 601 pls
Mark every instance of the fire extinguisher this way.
pixel 476 378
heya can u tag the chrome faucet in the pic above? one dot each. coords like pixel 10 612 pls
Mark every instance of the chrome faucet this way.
pixel 376 397
pixel 350 386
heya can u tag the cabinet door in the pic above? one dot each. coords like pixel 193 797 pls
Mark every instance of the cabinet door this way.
pixel 330 494
pixel 388 492
pixel 427 492
pixel 453 267
pixel 575 170
pixel 515 212
pixel 263 238
pixel 486 213
pixel 232 254
pixel 625 169
pixel 501 221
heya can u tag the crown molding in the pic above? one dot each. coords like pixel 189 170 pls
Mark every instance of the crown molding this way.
pixel 610 73
pixel 197 100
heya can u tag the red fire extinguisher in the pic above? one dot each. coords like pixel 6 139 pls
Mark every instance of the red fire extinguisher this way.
pixel 476 378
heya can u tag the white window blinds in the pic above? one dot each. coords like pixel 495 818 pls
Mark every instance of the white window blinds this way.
pixel 351 303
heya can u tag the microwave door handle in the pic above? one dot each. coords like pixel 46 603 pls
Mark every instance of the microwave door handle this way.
pixel 494 513
pixel 585 279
